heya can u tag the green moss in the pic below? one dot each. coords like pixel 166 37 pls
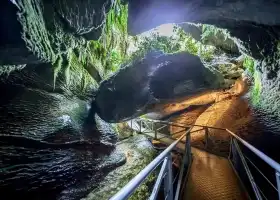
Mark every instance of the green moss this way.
pixel 210 30
pixel 249 64
pixel 144 191
pixel 51 43
pixel 256 90
pixel 73 54
pixel 78 74
pixel 70 53
pixel 57 67
pixel 179 41
pixel 82 63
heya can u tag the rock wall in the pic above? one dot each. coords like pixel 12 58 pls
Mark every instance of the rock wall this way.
pixel 49 142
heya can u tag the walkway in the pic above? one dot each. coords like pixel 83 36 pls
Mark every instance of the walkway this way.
pixel 212 178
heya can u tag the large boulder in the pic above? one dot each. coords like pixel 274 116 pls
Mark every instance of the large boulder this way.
pixel 151 79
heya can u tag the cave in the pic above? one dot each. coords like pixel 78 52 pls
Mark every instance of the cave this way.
pixel 75 73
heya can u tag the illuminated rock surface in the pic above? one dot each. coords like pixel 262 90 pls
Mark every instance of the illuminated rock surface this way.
pixel 61 62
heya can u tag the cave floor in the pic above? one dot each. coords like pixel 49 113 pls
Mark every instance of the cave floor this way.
pixel 211 177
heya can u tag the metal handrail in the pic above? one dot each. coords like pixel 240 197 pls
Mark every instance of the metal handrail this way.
pixel 260 154
pixel 272 163
pixel 130 187
pixel 260 172
pixel 257 152
pixel 248 172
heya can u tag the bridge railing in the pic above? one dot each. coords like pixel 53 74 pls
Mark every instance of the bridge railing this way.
pixel 148 126
pixel 165 161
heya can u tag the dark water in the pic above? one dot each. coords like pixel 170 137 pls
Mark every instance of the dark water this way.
pixel 269 143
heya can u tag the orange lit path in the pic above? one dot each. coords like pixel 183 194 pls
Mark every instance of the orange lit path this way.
pixel 211 177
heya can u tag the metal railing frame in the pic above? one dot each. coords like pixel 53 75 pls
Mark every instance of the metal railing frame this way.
pixel 166 169
pixel 165 173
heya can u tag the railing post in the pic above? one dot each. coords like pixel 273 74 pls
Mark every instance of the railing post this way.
pixel 248 172
pixel 168 186
pixel 155 131
pixel 230 147
pixel 188 149
pixel 278 183
pixel 189 146
pixel 206 137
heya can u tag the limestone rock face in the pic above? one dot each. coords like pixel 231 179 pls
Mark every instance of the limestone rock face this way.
pixel 12 48
pixel 84 18
pixel 152 79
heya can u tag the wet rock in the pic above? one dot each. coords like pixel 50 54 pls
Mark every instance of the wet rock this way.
pixel 12 47
pixel 84 18
pixel 217 38
pixel 49 143
pixel 154 78
pixel 139 152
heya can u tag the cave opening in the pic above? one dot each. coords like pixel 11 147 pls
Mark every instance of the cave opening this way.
pixel 75 73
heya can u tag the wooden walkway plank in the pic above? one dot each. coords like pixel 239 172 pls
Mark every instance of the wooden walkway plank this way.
pixel 211 177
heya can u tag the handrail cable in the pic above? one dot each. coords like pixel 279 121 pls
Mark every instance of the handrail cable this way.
pixel 260 154
pixel 262 192
pixel 261 173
